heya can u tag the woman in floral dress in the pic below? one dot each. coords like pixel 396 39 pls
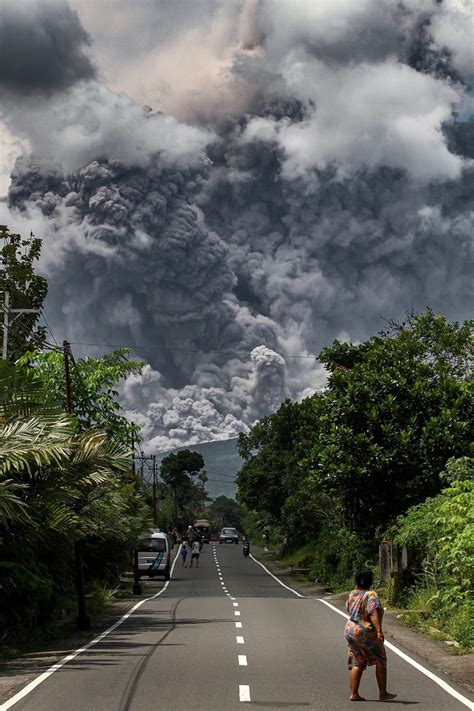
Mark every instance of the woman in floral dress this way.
pixel 364 635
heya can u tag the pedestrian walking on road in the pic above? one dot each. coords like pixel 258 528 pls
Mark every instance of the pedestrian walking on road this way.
pixel 195 554
pixel 190 535
pixel 184 555
pixel 364 635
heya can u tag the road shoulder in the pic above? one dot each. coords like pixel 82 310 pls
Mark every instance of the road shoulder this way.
pixel 17 673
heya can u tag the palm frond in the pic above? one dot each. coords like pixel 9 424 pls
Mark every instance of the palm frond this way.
pixel 13 510
pixel 38 441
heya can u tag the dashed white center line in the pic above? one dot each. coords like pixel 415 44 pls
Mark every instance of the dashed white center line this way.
pixel 235 604
pixel 232 598
pixel 244 692
pixel 238 625
pixel 237 612
pixel 240 640
pixel 242 660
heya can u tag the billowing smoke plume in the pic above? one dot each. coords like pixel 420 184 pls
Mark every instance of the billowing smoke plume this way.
pixel 43 47
pixel 322 181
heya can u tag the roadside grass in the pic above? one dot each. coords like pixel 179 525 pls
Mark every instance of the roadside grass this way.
pixel 425 612
pixel 99 596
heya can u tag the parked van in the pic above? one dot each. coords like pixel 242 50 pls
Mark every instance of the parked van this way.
pixel 154 555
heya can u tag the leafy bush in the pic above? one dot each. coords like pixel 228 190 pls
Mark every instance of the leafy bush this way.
pixel 442 530
pixel 337 555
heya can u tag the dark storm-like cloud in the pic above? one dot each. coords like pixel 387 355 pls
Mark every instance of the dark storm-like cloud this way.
pixel 43 47
pixel 335 192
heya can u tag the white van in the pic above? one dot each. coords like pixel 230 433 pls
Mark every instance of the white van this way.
pixel 154 555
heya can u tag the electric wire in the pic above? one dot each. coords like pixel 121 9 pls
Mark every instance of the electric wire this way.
pixel 184 350
pixel 28 335
pixel 42 313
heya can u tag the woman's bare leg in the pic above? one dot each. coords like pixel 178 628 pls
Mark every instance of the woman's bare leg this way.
pixel 355 676
pixel 381 675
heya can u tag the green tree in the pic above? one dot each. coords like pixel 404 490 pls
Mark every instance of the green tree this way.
pixel 372 444
pixel 60 487
pixel 271 451
pixel 441 532
pixel 94 388
pixel 441 529
pixel 226 512
pixel 176 471
pixel 396 409
pixel 26 290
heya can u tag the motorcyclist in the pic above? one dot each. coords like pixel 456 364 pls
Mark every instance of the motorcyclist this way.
pixel 246 546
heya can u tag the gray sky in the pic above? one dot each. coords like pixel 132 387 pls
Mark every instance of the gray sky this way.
pixel 229 186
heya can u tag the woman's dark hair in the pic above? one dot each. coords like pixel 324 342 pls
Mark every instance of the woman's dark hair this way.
pixel 364 578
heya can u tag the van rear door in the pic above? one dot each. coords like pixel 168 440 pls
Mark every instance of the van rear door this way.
pixel 152 555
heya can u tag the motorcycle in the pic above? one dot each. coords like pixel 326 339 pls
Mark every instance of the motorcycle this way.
pixel 246 549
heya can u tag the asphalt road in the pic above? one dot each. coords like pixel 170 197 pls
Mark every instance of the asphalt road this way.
pixel 218 635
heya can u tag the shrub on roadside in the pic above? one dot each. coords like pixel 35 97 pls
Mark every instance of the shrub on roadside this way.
pixel 442 531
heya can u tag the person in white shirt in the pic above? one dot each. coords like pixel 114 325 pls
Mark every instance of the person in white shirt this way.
pixel 195 554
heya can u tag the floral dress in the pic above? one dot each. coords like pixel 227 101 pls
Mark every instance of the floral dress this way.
pixel 364 647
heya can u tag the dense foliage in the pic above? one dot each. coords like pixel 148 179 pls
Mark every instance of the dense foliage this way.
pixel 225 511
pixel 441 530
pixel 59 483
pixel 338 468
pixel 26 289
pixel 177 472
pixel 94 383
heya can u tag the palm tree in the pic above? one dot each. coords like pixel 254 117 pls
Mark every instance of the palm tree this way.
pixel 58 487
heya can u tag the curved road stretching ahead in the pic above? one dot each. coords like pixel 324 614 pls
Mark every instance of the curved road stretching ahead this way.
pixel 221 635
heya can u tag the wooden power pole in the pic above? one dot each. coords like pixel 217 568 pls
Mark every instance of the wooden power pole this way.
pixel 82 621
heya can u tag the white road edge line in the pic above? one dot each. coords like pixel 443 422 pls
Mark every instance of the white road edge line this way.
pixel 275 578
pixel 244 692
pixel 242 660
pixel 42 677
pixel 449 689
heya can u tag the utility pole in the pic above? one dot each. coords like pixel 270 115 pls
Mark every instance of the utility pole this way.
pixel 137 588
pixel 67 376
pixel 133 450
pixel 82 621
pixel 7 321
pixel 153 459
pixel 175 492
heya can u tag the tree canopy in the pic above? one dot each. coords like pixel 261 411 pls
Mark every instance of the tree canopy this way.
pixel 374 442
pixel 27 290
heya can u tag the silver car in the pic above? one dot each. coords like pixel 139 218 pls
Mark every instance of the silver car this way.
pixel 229 535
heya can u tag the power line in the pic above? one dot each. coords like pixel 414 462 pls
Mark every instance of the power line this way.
pixel 48 327
pixel 26 332
pixel 229 476
pixel 183 350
